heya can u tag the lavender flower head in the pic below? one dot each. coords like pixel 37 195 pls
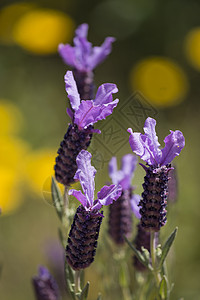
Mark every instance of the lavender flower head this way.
pixel 84 114
pixel 83 56
pixel 154 198
pixel 45 285
pixel 148 148
pixel 86 174
pixel 83 236
pixel 120 214
pixel 88 112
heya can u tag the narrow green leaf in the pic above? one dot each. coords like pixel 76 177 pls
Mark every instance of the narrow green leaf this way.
pixel 167 247
pixel 70 280
pixel 163 289
pixel 57 198
pixel 84 293
pixel 137 253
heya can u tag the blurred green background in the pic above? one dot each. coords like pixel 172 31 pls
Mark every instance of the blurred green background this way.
pixel 155 63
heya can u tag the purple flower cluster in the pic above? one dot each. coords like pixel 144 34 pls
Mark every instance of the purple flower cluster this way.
pixel 85 109
pixel 88 112
pixel 45 286
pixel 154 198
pixel 120 212
pixel 83 56
pixel 83 236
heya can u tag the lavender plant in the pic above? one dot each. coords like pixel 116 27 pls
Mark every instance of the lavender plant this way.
pixel 84 115
pixel 120 215
pixel 84 58
pixel 83 236
pixel 154 198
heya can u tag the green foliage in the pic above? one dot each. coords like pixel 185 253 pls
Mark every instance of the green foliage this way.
pixel 57 199
pixel 167 247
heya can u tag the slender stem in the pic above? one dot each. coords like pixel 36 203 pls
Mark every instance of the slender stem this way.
pixel 155 271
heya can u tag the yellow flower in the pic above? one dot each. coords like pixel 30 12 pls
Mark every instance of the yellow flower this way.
pixel 10 118
pixel 160 80
pixel 12 152
pixel 39 168
pixel 40 31
pixel 192 47
pixel 9 15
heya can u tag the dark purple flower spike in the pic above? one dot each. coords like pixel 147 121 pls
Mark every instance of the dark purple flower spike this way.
pixel 154 198
pixel 120 215
pixel 45 286
pixel 84 58
pixel 84 114
pixel 83 236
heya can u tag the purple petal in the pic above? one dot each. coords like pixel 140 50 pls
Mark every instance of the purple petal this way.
pixel 174 143
pixel 139 147
pixel 72 91
pixel 150 132
pixel 88 113
pixel 85 174
pixel 43 272
pixel 134 205
pixel 113 172
pixel 82 30
pixel 129 163
pixel 104 93
pixel 68 55
pixel 108 194
pixel 100 53
pixel 70 113
pixel 79 196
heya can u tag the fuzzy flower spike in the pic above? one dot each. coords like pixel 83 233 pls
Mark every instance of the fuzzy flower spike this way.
pixel 83 58
pixel 120 215
pixel 83 236
pixel 84 114
pixel 45 286
pixel 154 198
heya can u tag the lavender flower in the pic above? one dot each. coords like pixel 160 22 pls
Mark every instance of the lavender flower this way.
pixel 153 205
pixel 83 58
pixel 120 216
pixel 45 286
pixel 83 236
pixel 84 114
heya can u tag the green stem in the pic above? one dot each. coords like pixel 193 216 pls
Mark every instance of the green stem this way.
pixel 155 271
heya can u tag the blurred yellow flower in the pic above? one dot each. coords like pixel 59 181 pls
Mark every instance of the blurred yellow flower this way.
pixel 192 47
pixel 39 168
pixel 160 80
pixel 9 15
pixel 41 30
pixel 12 152
pixel 10 118
pixel 11 197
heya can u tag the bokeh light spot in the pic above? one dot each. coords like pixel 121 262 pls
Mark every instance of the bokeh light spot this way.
pixel 39 169
pixel 160 80
pixel 192 47
pixel 40 31
pixel 9 15
pixel 11 119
